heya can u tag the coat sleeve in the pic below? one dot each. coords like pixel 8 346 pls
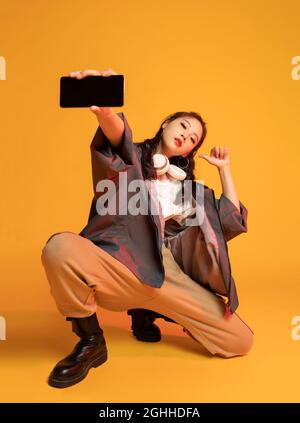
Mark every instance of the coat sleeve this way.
pixel 108 161
pixel 233 221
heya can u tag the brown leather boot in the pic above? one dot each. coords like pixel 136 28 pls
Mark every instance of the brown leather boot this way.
pixel 89 352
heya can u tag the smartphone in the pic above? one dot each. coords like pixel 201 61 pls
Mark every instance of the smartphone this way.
pixel 92 90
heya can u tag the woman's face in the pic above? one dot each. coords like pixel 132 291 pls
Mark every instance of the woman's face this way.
pixel 187 130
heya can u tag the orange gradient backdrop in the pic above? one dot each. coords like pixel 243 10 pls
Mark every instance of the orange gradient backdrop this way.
pixel 230 61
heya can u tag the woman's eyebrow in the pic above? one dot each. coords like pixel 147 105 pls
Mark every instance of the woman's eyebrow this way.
pixel 191 125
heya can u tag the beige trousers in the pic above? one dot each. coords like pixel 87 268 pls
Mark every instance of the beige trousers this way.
pixel 83 276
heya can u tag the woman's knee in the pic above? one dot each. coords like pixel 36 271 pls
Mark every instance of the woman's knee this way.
pixel 241 344
pixel 57 248
pixel 245 342
pixel 236 340
pixel 245 335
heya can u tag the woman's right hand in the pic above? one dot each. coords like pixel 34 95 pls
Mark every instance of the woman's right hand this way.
pixel 98 111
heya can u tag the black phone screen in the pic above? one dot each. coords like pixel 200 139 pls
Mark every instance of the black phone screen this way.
pixel 92 90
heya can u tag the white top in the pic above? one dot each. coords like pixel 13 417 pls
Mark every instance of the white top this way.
pixel 170 194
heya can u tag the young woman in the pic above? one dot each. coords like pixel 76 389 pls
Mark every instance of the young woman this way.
pixel 154 264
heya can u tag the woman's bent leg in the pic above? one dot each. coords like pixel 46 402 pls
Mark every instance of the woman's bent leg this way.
pixel 200 312
pixel 82 276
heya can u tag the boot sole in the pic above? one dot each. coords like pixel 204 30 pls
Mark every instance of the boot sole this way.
pixel 57 383
pixel 146 339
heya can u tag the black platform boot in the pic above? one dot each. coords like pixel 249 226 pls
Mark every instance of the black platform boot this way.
pixel 89 352
pixel 142 324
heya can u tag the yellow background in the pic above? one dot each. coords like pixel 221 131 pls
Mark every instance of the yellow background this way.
pixel 231 61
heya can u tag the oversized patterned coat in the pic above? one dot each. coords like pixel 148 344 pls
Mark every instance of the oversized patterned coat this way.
pixel 136 241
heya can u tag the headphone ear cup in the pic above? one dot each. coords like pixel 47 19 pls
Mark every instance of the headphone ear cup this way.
pixel 161 163
pixel 176 172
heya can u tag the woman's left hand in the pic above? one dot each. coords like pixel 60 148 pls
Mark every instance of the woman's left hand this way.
pixel 219 156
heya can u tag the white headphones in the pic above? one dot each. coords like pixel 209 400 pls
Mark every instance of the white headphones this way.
pixel 164 169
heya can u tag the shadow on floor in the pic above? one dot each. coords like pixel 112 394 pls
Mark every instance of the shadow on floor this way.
pixel 48 334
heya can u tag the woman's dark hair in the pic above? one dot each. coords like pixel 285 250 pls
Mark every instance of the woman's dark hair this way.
pixel 149 145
